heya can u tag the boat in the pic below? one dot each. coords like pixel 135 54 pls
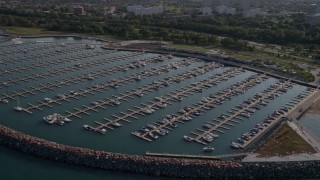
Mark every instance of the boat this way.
pixel 90 77
pixel 178 98
pixel 65 119
pixel 162 105
pixel 62 96
pixel 153 136
pixel 144 129
pixel 187 138
pixel 207 125
pixel 90 46
pixel 158 98
pixel 115 124
pixel 151 126
pixel 208 149
pixel 88 127
pixel 48 119
pixel 138 78
pixel 115 102
pixel 102 130
pixel 73 92
pixel 235 145
pixel 94 103
pixel 207 138
pixel 4 101
pixel 59 122
pixel 161 131
pixel 18 107
pixel 48 100
pixel 147 110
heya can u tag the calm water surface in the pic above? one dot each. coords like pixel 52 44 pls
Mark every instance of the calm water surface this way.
pixel 19 166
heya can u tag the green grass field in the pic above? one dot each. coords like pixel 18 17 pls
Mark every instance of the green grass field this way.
pixel 29 31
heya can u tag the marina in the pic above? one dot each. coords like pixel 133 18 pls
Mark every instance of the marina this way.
pixel 74 92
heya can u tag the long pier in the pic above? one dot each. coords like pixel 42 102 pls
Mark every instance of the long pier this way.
pixel 195 109
pixel 167 99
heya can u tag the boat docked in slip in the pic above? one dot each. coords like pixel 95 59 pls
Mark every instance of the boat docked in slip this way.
pixel 207 125
pixel 158 98
pixel 49 119
pixel 90 77
pixel 162 132
pixel 115 124
pixel 208 149
pixel 235 145
pixel 48 100
pixel 147 110
pixel 101 130
pixel 95 103
pixel 115 102
pixel 207 138
pixel 88 127
pixel 62 96
pixel 138 78
pixel 153 136
pixel 151 126
pixel 139 93
pixel 187 138
pixel 73 92
pixel 178 98
pixel 161 105
pixel 4 101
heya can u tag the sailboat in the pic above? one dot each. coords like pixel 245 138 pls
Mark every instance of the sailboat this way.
pixel 18 107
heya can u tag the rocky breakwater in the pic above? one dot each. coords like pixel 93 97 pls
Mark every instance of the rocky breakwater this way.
pixel 154 165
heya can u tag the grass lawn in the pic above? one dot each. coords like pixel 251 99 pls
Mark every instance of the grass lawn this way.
pixel 189 47
pixel 284 141
pixel 29 31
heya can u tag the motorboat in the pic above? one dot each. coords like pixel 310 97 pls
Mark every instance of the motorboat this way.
pixel 187 138
pixel 115 124
pixel 62 96
pixel 4 101
pixel 235 145
pixel 48 100
pixel 208 149
pixel 102 130
pixel 95 103
pixel 88 127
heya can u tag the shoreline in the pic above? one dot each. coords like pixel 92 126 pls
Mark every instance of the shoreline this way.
pixel 171 167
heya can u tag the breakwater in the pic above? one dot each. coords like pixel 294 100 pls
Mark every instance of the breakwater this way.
pixel 157 166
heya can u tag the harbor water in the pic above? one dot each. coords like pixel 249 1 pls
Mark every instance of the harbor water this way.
pixel 60 54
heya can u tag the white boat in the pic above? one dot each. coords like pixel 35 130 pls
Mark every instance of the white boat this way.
pixel 88 127
pixel 49 119
pixel 48 100
pixel 102 131
pixel 95 103
pixel 90 46
pixel 207 138
pixel 161 105
pixel 59 122
pixel 62 96
pixel 115 102
pixel 138 78
pixel 235 145
pixel 115 124
pixel 90 77
pixel 187 138
pixel 147 110
pixel 65 119
pixel 208 149
pixel 18 107
pixel 4 101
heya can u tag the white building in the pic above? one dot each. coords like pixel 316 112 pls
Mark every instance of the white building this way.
pixel 140 10
pixel 313 20
pixel 225 10
pixel 205 10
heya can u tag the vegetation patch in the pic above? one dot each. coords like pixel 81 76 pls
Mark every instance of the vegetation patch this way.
pixel 284 141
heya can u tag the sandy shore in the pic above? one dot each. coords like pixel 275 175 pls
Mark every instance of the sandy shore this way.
pixel 314 109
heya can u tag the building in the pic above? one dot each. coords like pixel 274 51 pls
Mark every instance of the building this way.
pixel 225 10
pixel 205 10
pixel 78 10
pixel 140 10
pixel 313 19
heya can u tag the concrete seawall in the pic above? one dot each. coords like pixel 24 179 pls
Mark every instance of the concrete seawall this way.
pixel 157 166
